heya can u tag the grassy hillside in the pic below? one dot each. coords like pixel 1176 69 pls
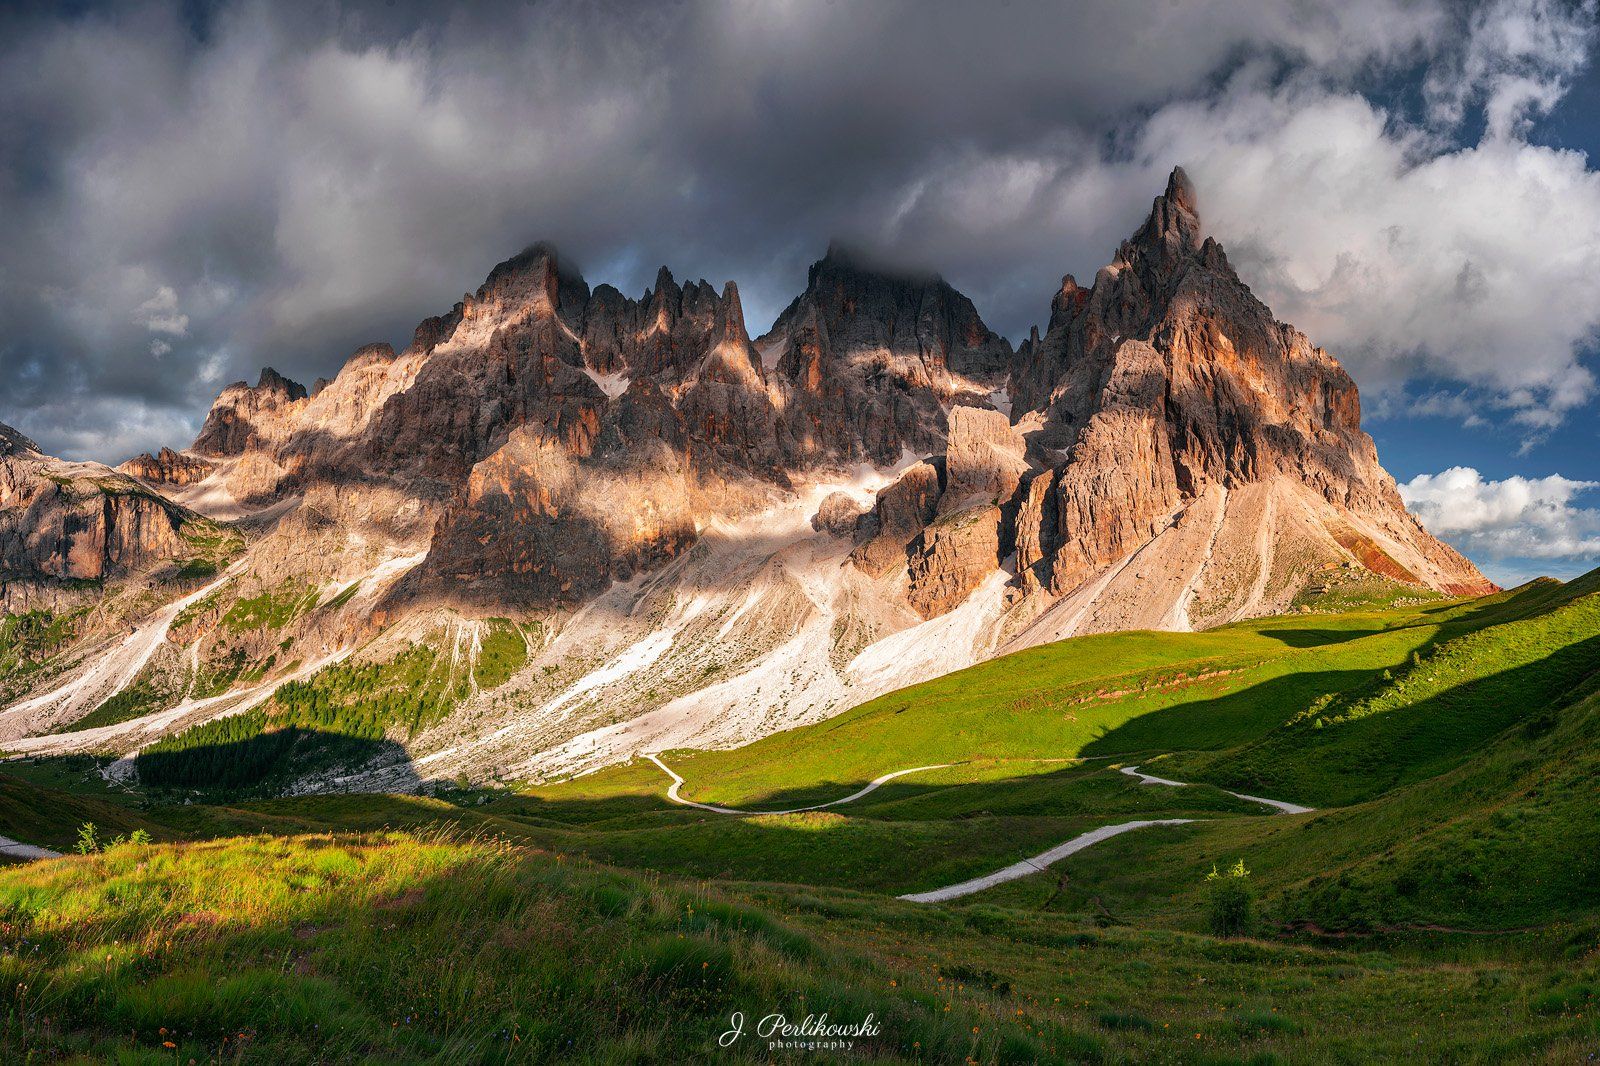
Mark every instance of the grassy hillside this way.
pixel 1112 695
pixel 389 947
pixel 394 948
pixel 1463 788
pixel 1440 905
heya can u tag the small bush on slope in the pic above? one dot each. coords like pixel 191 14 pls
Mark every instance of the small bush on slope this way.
pixel 502 654
pixel 1232 900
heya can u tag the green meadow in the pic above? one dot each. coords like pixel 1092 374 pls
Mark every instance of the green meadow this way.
pixel 1441 904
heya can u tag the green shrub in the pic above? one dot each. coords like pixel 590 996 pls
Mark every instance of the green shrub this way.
pixel 1232 900
pixel 89 842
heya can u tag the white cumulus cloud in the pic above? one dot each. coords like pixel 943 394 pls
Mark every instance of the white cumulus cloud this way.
pixel 1517 518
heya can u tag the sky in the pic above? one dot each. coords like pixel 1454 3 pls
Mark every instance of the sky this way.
pixel 191 191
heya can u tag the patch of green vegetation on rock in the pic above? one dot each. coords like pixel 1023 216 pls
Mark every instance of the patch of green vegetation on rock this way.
pixel 138 699
pixel 195 610
pixel 273 609
pixel 502 653
pixel 230 666
pixel 411 691
pixel 29 639
pixel 210 547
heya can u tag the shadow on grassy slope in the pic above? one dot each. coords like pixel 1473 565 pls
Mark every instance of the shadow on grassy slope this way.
pixel 1348 760
pixel 1317 638
pixel 1507 839
pixel 1218 722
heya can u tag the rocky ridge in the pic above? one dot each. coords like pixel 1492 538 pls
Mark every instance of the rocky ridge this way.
pixel 67 526
pixel 716 537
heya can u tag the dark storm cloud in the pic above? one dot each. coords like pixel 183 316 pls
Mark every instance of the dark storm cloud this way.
pixel 193 191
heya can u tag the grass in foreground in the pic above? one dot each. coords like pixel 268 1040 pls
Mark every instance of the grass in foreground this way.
pixel 395 948
pixel 1440 908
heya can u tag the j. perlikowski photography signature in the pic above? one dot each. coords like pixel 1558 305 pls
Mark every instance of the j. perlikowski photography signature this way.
pixel 815 1032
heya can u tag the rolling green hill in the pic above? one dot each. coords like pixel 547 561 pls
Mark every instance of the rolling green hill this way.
pixel 1442 903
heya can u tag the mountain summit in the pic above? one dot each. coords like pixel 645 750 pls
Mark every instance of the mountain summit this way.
pixel 698 538
pixel 1194 438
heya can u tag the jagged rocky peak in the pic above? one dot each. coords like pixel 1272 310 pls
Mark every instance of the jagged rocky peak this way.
pixel 537 283
pixel 863 306
pixel 731 321
pixel 1172 420
pixel 378 354
pixel 538 278
pixel 244 416
pixel 868 359
pixel 274 387
pixel 1174 221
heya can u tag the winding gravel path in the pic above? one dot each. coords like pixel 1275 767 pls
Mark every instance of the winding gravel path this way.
pixel 678 782
pixel 17 850
pixel 1016 871
pixel 1282 807
pixel 1037 864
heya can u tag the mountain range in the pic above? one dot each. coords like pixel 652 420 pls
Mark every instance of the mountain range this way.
pixel 565 526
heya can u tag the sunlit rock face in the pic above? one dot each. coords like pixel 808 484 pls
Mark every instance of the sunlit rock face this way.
pixel 63 525
pixel 707 538
pixel 1166 399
